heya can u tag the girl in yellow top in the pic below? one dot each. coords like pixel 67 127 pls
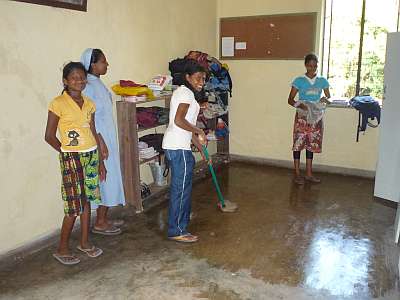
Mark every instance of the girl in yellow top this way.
pixel 73 115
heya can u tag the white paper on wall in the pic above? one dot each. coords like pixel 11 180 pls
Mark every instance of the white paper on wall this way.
pixel 228 46
pixel 240 45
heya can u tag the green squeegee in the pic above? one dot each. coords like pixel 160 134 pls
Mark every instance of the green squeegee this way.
pixel 224 205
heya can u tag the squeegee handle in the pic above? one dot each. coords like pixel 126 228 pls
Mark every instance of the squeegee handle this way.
pixel 214 177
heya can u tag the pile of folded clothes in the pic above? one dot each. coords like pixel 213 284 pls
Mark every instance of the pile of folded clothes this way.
pixel 146 152
pixel 152 116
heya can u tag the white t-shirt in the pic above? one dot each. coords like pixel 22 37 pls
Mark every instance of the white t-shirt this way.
pixel 176 138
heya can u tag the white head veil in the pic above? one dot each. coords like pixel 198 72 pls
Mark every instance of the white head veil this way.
pixel 86 57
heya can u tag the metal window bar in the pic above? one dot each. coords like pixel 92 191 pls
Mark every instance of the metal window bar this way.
pixel 359 65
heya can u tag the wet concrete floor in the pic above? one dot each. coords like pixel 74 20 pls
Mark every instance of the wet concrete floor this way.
pixel 327 241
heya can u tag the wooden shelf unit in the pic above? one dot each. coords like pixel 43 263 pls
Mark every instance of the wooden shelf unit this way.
pixel 129 152
pixel 140 129
pixel 128 148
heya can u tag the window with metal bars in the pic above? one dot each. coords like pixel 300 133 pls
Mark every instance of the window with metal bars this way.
pixel 355 43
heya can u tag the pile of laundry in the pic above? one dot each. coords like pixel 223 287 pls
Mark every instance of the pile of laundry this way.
pixel 217 91
pixel 218 87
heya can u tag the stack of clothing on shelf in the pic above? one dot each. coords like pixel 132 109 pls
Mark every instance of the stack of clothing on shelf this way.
pixel 152 116
pixel 146 152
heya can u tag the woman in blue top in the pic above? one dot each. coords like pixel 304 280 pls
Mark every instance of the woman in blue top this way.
pixel 305 135
pixel 112 191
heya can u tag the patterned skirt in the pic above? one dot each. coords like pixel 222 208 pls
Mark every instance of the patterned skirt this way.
pixel 80 180
pixel 307 136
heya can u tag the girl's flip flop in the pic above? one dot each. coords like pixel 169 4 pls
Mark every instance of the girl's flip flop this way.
pixel 299 180
pixel 117 222
pixel 186 238
pixel 108 231
pixel 67 260
pixel 92 252
pixel 312 179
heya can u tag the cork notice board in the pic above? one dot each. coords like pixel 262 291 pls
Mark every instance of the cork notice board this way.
pixel 289 36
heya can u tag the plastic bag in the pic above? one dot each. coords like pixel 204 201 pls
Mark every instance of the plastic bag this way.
pixel 157 171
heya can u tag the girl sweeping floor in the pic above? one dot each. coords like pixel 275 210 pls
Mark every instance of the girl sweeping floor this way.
pixel 73 115
pixel 181 131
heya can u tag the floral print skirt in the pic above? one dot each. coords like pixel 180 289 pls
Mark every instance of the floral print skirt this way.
pixel 307 136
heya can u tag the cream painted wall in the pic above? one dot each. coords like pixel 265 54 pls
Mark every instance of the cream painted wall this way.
pixel 138 38
pixel 261 121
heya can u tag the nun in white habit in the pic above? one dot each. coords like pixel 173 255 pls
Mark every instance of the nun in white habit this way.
pixel 112 191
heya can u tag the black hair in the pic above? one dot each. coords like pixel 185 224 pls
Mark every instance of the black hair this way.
pixel 310 57
pixel 191 67
pixel 71 66
pixel 96 54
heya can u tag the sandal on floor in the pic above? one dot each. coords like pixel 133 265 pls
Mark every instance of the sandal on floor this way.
pixel 117 222
pixel 312 179
pixel 299 180
pixel 67 260
pixel 92 252
pixel 186 238
pixel 107 231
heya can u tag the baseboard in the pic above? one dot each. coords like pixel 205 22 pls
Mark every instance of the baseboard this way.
pixel 289 165
pixel 18 254
pixel 43 241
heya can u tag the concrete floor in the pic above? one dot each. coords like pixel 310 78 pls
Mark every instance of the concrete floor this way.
pixel 327 241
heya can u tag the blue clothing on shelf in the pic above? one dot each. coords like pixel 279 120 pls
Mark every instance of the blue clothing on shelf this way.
pixel 369 109
pixel 112 191
pixel 310 89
